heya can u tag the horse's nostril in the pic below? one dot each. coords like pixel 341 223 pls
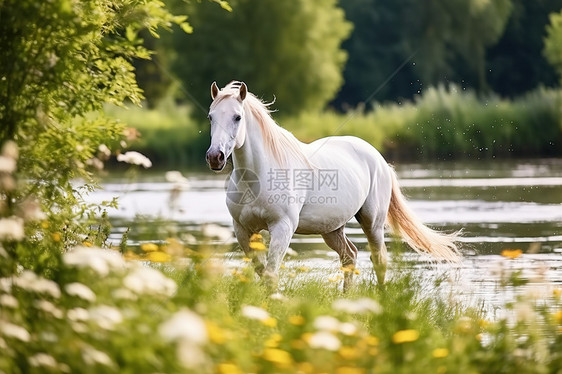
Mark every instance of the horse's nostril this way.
pixel 221 157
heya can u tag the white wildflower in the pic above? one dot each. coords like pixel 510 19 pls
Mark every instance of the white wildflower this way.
pixel 524 312
pixel 324 340
pixel 104 150
pixel 6 284
pixel 49 307
pixel 106 316
pixel 212 230
pixel 10 150
pixel 145 280
pixel 190 355
pixel 78 314
pixel 92 356
pixel 42 359
pixel 7 165
pixel 253 312
pixel 31 210
pixel 278 296
pixel 95 163
pixel 348 329
pixel 10 330
pixel 124 294
pixel 359 306
pixel 8 301
pixel 135 158
pixel 80 290
pixel 326 323
pixel 11 228
pixel 99 260
pixel 49 337
pixel 184 325
pixel 29 281
pixel 174 176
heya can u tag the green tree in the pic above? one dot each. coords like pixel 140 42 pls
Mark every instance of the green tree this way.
pixel 61 61
pixel 288 49
pixel 553 42
pixel 399 47
pixel 516 64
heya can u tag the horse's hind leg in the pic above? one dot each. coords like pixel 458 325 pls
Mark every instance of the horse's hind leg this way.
pixel 347 252
pixel 374 230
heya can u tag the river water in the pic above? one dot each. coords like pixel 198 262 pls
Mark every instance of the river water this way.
pixel 498 205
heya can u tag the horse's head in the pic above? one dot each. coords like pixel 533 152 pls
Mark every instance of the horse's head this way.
pixel 228 128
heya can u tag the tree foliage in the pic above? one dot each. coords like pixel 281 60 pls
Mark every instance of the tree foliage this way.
pixel 287 49
pixel 436 40
pixel 61 60
pixel 553 42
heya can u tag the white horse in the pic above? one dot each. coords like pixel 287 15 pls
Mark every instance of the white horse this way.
pixel 285 186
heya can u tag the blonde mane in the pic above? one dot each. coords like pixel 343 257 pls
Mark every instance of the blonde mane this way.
pixel 278 141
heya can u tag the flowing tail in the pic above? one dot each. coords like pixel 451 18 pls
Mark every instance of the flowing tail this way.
pixel 418 236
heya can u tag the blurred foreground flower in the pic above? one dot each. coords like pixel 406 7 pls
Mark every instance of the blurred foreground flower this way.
pixel 324 340
pixel 99 260
pixel 253 312
pixel 145 280
pixel 11 229
pixel 135 158
pixel 405 336
pixel 359 306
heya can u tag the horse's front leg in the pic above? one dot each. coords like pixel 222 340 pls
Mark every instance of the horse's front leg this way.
pixel 281 234
pixel 243 237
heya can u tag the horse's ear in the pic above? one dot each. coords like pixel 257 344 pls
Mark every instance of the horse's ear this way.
pixel 243 91
pixel 214 90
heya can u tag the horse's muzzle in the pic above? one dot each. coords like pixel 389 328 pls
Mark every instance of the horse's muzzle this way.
pixel 216 159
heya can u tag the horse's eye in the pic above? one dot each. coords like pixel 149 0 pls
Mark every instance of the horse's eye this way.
pixel 237 118
pixel 210 117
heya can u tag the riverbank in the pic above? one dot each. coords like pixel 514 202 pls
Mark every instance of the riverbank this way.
pixel 441 124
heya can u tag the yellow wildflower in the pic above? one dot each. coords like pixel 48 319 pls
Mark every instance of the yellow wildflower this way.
pixel 349 353
pixel 216 334
pixel 511 253
pixel 130 255
pixel 257 246
pixel 277 356
pixel 557 292
pixel 345 269
pixel 405 336
pixel 372 340
pixel 158 257
pixel 297 344
pixel 440 352
pixel 86 244
pixel 269 322
pixel 273 341
pixel 558 316
pixel 149 247
pixel 56 236
pixel 305 368
pixel 349 370
pixel 304 269
pixel 256 238
pixel 45 224
pixel 228 368
pixel 297 320
pixel 247 259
